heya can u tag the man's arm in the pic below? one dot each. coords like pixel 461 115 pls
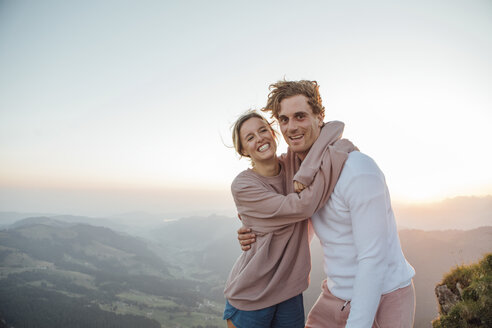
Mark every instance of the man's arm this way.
pixel 367 198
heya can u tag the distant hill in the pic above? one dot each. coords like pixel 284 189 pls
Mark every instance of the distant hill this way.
pixel 435 253
pixel 196 232
pixel 72 245
pixel 9 220
pixel 462 213
pixel 182 263
pixel 50 268
pixel 206 247
pixel 43 220
pixel 211 243
pixel 431 253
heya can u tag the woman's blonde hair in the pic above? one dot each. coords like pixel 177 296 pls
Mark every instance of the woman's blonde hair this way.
pixel 236 128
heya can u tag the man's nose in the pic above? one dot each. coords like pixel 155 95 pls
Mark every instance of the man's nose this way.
pixel 291 126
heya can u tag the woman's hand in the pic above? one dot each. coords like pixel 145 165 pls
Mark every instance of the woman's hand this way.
pixel 246 238
pixel 298 187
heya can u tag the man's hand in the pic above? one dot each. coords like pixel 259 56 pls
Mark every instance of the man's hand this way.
pixel 298 187
pixel 245 237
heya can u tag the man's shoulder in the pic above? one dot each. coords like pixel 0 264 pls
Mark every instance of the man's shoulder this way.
pixel 287 158
pixel 360 178
pixel 359 163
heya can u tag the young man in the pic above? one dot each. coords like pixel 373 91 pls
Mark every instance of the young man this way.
pixel 369 281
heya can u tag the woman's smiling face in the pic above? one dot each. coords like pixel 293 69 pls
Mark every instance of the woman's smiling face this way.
pixel 258 140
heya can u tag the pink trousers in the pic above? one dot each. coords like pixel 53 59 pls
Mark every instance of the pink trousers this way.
pixel 396 310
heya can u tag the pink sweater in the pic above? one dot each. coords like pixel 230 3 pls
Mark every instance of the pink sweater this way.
pixel 277 266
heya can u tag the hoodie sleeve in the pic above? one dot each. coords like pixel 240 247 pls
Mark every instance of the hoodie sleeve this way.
pixel 329 139
pixel 331 132
pixel 255 199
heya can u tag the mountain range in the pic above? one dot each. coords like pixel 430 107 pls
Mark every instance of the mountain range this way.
pixel 463 213
pixel 56 269
pixel 51 268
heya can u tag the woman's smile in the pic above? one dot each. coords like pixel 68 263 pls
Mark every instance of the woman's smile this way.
pixel 258 141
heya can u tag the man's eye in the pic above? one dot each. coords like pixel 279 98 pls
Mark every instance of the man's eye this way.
pixel 300 116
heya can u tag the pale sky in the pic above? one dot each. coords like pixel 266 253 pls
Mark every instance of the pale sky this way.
pixel 114 106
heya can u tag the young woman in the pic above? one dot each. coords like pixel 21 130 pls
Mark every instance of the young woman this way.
pixel 265 286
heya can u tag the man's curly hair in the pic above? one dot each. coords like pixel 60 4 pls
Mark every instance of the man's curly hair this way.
pixel 286 89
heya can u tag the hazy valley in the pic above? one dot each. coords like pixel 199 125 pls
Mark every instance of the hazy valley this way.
pixel 61 271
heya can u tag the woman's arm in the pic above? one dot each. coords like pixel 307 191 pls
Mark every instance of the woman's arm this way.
pixel 255 200
pixel 329 138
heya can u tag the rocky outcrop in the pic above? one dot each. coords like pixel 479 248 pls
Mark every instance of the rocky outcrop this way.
pixel 446 298
pixel 465 296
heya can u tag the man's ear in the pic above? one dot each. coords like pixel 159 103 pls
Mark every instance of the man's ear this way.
pixel 321 118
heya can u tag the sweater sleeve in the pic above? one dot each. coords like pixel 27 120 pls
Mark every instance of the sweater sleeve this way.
pixel 330 133
pixel 256 200
pixel 367 200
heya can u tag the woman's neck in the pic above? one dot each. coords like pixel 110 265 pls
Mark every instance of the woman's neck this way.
pixel 268 169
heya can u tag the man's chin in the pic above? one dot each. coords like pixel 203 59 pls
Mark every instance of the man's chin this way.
pixel 298 149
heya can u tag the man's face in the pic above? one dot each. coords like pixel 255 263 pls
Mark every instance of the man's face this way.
pixel 299 125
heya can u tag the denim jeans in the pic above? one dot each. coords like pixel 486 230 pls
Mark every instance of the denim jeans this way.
pixel 287 314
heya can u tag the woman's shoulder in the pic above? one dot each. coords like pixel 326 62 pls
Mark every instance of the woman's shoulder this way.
pixel 243 179
pixel 247 186
pixel 249 181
